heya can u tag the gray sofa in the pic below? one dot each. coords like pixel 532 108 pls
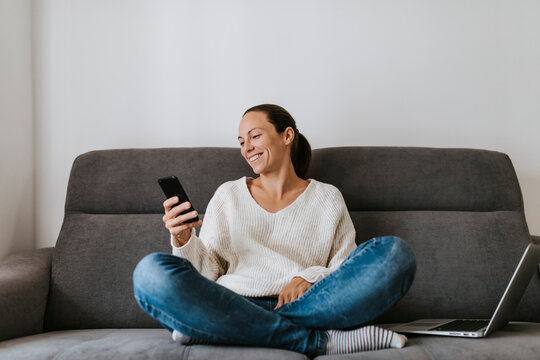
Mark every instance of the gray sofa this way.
pixel 460 209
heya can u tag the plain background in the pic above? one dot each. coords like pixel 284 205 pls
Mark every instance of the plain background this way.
pixel 84 75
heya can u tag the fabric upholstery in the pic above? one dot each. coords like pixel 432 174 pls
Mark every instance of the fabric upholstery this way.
pixel 460 209
pixel 125 181
pixel 121 344
pixel 408 178
pixel 464 261
pixel 515 341
pixel 93 262
pixel 24 285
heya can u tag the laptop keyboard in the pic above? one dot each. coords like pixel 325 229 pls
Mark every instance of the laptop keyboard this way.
pixel 462 325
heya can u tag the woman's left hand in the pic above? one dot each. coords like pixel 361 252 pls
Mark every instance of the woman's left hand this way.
pixel 293 290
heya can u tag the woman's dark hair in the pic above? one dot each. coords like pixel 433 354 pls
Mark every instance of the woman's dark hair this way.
pixel 281 119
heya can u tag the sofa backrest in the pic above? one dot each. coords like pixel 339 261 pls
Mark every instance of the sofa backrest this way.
pixel 460 209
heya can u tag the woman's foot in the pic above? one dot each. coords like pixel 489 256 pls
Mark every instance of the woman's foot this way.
pixel 184 339
pixel 363 339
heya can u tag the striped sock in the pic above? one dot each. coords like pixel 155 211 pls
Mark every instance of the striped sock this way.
pixel 363 339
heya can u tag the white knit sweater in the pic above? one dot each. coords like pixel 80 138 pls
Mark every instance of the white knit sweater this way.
pixel 254 252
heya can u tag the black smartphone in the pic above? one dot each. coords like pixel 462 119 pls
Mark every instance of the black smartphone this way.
pixel 171 187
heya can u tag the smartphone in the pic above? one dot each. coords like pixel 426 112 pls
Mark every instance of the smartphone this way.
pixel 171 187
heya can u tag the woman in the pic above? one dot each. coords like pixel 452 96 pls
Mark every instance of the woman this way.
pixel 275 263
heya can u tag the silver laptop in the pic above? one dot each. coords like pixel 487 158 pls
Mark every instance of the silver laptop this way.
pixel 480 328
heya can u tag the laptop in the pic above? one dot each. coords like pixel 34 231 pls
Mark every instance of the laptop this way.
pixel 479 328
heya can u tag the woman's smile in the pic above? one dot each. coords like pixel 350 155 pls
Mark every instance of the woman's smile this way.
pixel 255 158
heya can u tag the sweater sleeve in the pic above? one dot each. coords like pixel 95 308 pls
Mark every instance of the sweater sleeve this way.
pixel 205 251
pixel 343 243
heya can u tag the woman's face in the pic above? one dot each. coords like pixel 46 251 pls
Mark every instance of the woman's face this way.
pixel 261 145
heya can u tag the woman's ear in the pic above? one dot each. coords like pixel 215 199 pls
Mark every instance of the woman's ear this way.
pixel 289 135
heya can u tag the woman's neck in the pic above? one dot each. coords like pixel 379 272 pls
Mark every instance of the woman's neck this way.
pixel 278 186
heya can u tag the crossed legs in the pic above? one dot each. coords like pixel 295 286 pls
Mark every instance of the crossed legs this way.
pixel 372 279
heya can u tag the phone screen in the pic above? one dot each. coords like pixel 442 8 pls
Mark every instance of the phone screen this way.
pixel 171 187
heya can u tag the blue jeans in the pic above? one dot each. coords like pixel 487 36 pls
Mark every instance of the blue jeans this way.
pixel 368 282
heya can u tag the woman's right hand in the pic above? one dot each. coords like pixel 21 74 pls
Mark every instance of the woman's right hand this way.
pixel 175 223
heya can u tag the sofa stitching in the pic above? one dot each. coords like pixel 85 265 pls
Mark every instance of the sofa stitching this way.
pixel 429 355
pixel 185 353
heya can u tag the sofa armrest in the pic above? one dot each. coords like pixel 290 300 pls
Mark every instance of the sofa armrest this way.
pixel 24 286
pixel 536 240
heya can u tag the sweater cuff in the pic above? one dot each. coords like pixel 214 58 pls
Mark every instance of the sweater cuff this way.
pixel 314 273
pixel 186 248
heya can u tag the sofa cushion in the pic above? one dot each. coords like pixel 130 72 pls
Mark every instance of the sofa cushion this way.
pixel 409 178
pixel 515 341
pixel 518 340
pixel 111 344
pixel 124 181
pixel 92 266
pixel 112 220
pixel 460 209
pixel 465 260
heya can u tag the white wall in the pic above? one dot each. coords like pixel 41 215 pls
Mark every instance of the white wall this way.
pixel 156 73
pixel 16 180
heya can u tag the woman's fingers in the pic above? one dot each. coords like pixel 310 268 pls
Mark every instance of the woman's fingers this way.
pixel 280 302
pixel 179 224
pixel 284 297
pixel 180 219
pixel 292 291
pixel 167 204
pixel 176 223
pixel 294 296
pixel 173 212
pixel 177 230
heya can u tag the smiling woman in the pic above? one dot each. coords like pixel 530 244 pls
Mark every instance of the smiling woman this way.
pixel 274 257
pixel 275 122
pixel 272 145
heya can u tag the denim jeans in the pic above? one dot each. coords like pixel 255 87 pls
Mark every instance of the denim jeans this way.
pixel 367 283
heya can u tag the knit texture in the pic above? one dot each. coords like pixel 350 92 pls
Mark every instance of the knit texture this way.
pixel 254 252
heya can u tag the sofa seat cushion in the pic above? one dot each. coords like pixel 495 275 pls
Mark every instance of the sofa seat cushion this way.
pixel 121 344
pixel 517 340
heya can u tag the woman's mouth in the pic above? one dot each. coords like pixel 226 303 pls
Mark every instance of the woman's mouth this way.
pixel 255 157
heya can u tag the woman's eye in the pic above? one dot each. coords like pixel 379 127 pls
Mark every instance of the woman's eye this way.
pixel 256 136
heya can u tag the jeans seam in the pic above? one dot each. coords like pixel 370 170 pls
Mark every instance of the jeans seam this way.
pixel 321 350
pixel 364 249
pixel 318 343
